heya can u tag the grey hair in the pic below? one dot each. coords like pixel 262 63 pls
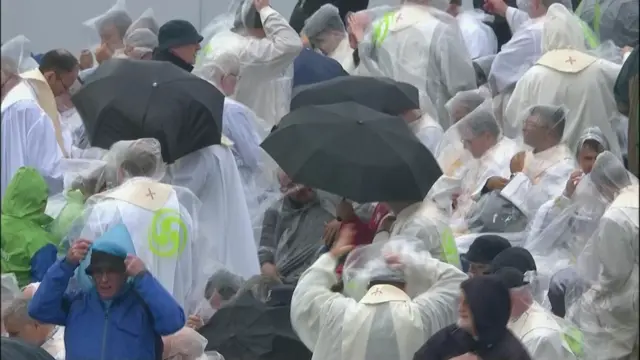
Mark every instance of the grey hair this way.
pixel 259 286
pixel 226 283
pixel 554 117
pixel 483 121
pixel 120 19
pixel 17 310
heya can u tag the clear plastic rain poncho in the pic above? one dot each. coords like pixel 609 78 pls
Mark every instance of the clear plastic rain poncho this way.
pixel 16 57
pixel 450 154
pixel 607 312
pixel 488 155
pixel 141 37
pixel 110 27
pixel 263 67
pixel 161 222
pixel 420 45
pixel 326 33
pixel 562 226
pixel 220 288
pixel 544 335
pixel 386 323
pixel 10 291
pixel 615 20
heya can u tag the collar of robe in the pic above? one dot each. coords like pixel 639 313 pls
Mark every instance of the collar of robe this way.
pixel 383 293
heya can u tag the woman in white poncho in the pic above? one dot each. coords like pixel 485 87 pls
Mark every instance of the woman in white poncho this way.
pixel 566 75
pixel 607 313
pixel 161 219
pixel 140 39
pixel 386 323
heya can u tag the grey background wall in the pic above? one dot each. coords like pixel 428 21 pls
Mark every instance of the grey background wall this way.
pixel 51 24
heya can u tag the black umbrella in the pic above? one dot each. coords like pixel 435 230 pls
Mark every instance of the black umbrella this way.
pixel 378 93
pixel 249 329
pixel 351 150
pixel 132 99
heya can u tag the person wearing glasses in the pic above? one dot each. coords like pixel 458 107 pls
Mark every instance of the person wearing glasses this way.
pixel 31 131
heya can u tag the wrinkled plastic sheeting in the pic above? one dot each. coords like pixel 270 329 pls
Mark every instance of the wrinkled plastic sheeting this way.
pixel 16 56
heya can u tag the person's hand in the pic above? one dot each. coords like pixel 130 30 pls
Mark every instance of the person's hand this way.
pixel 357 23
pixel 269 270
pixel 134 265
pixel 305 40
pixel 626 49
pixel 78 251
pixel 496 183
pixel 467 356
pixel 86 60
pixel 572 183
pixel 344 243
pixel 497 7
pixel 103 53
pixel 195 322
pixel 517 162
pixel 331 230
pixel 393 261
pixel 260 4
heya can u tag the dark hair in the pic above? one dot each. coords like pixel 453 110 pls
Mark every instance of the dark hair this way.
pixel 592 144
pixel 144 163
pixel 59 61
pixel 553 117
pixel 484 122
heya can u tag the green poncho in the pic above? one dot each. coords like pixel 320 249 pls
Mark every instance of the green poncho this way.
pixel 23 223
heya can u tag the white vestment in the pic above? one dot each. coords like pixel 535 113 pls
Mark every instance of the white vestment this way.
pixel 478 36
pixel 212 175
pixel 385 324
pixel 151 212
pixel 28 136
pixel 343 54
pixel 428 131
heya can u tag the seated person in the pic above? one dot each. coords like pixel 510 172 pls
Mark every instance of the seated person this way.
pixel 482 251
pixel 19 324
pixel 28 248
pixel 292 231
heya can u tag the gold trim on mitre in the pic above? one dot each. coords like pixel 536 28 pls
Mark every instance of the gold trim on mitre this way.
pixel 47 102
pixel 383 293
pixel 566 60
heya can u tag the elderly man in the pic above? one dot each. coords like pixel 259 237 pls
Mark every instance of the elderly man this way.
pixel 292 230
pixel 434 56
pixel 520 53
pixel 263 47
pixel 567 75
pixel 31 130
pixel 19 324
pixel 178 43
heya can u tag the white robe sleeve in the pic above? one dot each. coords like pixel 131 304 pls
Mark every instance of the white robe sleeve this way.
pixel 430 137
pixel 549 213
pixel 515 18
pixel 518 54
pixel 456 67
pixel 544 343
pixel 314 305
pixel 280 47
pixel 522 98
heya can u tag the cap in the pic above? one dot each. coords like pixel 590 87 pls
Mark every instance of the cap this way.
pixel 511 277
pixel 485 248
pixel 176 33
pixel 515 257
pixel 104 261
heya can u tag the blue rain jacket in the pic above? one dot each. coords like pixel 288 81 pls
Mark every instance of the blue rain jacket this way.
pixel 125 328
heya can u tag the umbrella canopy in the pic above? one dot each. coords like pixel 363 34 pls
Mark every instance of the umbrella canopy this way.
pixel 128 99
pixel 378 93
pixel 249 329
pixel 351 150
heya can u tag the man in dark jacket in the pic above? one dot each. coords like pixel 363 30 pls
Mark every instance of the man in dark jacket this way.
pixel 481 252
pixel 306 8
pixel 178 43
pixel 16 349
pixel 481 330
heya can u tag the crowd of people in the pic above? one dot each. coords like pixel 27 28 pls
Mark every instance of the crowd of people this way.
pixel 428 180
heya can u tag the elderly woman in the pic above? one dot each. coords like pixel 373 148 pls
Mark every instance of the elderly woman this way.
pixel 326 33
pixel 140 39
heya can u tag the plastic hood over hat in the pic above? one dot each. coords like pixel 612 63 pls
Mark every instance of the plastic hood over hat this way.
pixel 322 22
pixel 128 159
pixel 141 37
pixel 562 30
pixel 16 56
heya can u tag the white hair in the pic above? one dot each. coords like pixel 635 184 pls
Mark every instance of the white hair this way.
pixel 18 310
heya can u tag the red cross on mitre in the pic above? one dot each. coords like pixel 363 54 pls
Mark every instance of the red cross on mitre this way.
pixel 570 60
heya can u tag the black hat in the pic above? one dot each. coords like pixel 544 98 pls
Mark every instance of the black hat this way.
pixel 485 248
pixel 511 277
pixel 176 33
pixel 105 261
pixel 389 277
pixel 515 257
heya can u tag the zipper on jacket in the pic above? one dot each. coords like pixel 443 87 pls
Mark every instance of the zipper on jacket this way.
pixel 104 332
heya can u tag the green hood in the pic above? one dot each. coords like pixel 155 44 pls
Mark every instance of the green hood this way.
pixel 26 197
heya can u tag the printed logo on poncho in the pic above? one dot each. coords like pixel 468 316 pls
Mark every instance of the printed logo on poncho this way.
pixel 167 233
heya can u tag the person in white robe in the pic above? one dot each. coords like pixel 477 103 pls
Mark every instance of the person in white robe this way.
pixel 489 156
pixel 478 37
pixel 451 154
pixel 607 312
pixel 163 221
pixel 263 46
pixel 426 129
pixel 384 324
pixel 421 45
pixel 542 172
pixel 212 175
pixel 325 32
pixel 54 341
pixel 545 336
pixel 567 75
pixel 31 130
pixel 520 53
